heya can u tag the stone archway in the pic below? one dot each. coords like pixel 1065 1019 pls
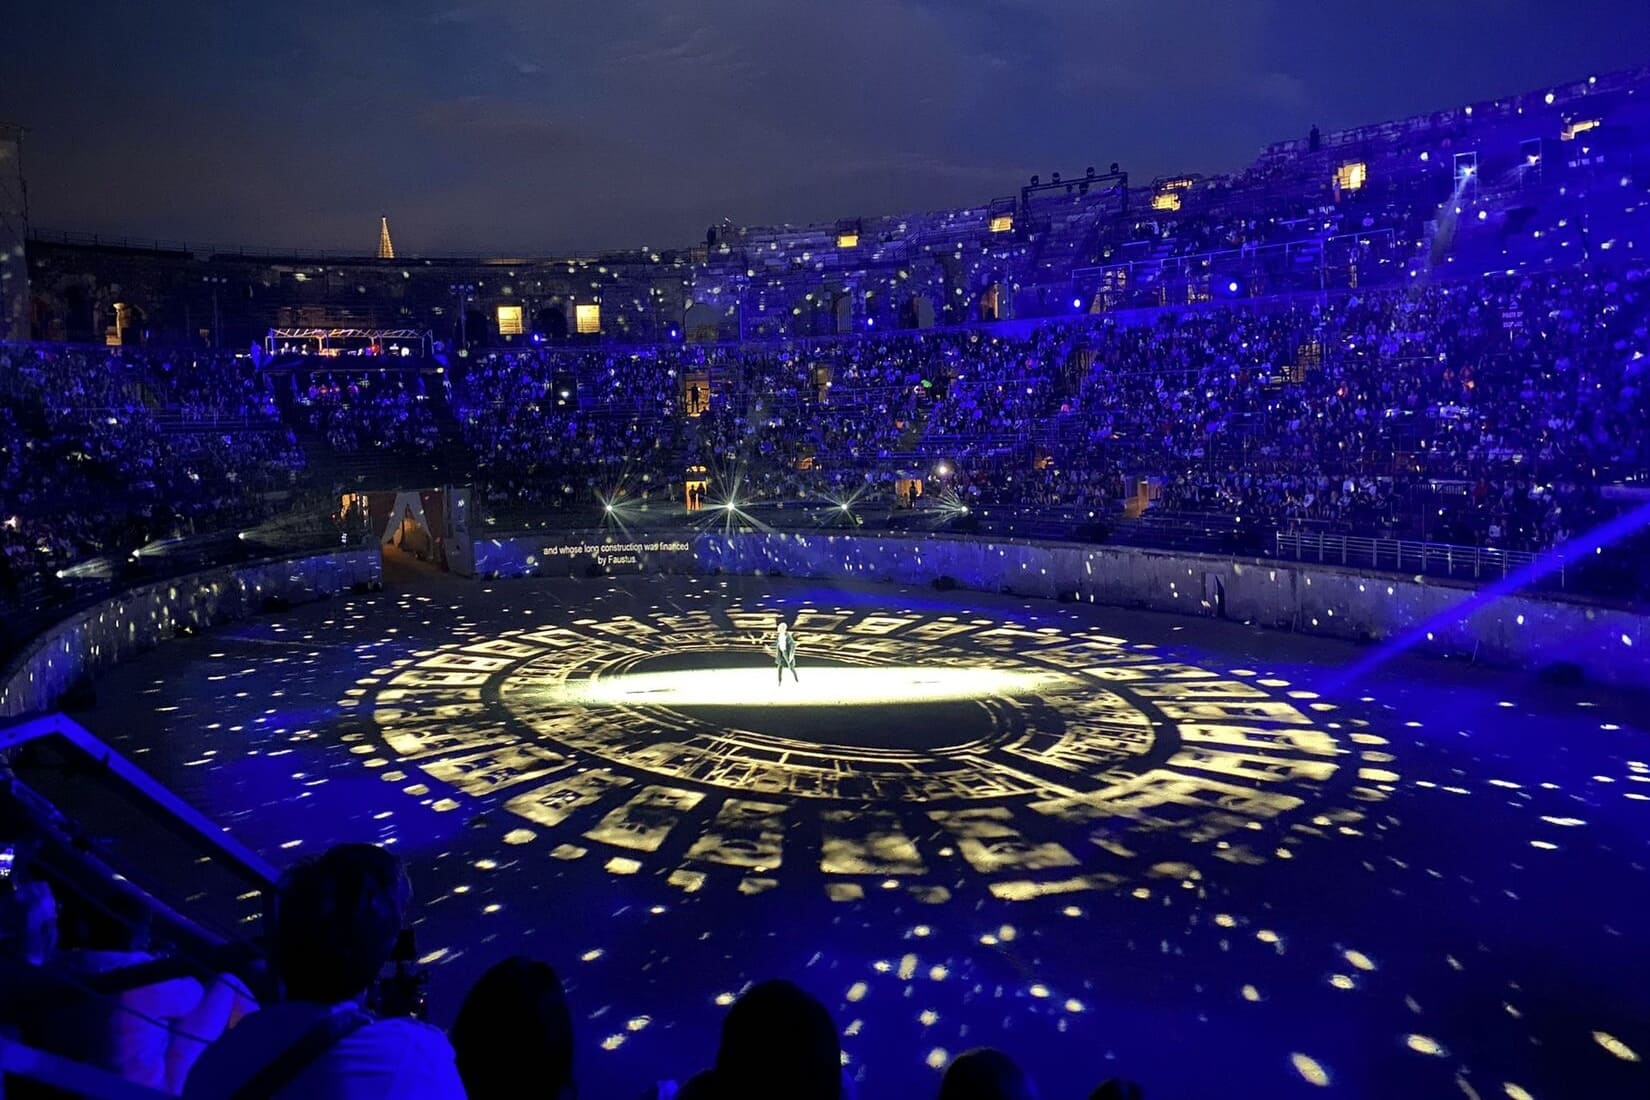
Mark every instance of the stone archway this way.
pixel 45 323
pixel 702 324
pixel 842 307
pixel 995 302
pixel 80 315
pixel 125 325
pixel 551 323
pixel 918 312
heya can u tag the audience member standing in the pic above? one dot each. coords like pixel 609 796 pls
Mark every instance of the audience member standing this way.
pixel 514 1034
pixel 985 1074
pixel 777 1041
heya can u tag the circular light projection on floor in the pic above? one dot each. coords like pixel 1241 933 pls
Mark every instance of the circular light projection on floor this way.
pixel 908 750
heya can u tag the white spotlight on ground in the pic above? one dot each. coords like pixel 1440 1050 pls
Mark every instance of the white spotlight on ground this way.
pixel 816 687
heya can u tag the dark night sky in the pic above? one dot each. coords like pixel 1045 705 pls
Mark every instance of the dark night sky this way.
pixel 531 125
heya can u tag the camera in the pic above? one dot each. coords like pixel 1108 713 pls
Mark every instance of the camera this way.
pixel 401 991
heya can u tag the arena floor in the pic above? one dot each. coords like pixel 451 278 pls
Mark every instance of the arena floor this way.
pixel 1111 843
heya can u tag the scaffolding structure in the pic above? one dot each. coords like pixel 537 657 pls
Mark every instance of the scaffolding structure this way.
pixel 328 343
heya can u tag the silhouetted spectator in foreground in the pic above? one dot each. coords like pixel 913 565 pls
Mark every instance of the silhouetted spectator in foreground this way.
pixel 777 1041
pixel 336 923
pixel 1116 1089
pixel 514 1034
pixel 985 1074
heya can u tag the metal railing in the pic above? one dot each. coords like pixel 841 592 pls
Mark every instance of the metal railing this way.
pixel 1211 259
pixel 1429 558
pixel 183 819
pixel 166 854
pixel 66 1076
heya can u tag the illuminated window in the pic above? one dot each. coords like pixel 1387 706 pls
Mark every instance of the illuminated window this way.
pixel 1351 177
pixel 1580 126
pixel 1168 192
pixel 1002 223
pixel 587 319
pixel 509 321
pixel 847 240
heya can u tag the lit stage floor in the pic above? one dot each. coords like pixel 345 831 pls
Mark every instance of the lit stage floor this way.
pixel 1111 843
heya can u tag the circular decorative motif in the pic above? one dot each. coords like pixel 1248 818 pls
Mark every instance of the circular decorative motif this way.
pixel 1044 760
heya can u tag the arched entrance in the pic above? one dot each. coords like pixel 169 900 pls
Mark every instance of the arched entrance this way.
pixel 551 323
pixel 694 488
pixel 696 392
pixel 418 531
pixel 79 317
pixel 124 325
pixel 701 324
pixel 842 306
pixel 994 302
pixel 918 312
pixel 44 324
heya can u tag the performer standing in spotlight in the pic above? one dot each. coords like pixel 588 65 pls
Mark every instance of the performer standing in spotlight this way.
pixel 784 652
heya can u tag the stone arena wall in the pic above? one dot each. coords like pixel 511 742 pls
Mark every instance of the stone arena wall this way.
pixel 135 620
pixel 1604 645
pixel 1438 617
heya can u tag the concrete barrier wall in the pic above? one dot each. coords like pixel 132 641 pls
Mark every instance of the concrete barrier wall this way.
pixel 135 620
pixel 1533 632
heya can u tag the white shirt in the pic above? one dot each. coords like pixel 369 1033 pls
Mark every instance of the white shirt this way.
pixel 128 1033
pixel 387 1058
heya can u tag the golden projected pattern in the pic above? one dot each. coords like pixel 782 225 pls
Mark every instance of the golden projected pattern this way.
pixel 655 744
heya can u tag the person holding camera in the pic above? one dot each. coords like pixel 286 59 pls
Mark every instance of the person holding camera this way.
pixel 338 919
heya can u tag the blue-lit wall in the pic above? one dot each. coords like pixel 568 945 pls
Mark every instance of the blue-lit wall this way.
pixel 125 625
pixel 1608 646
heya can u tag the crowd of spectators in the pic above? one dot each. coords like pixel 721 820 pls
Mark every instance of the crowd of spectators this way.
pixel 103 452
pixel 316 1018
pixel 1489 412
pixel 381 411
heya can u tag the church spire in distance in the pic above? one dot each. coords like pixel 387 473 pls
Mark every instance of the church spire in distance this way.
pixel 386 250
